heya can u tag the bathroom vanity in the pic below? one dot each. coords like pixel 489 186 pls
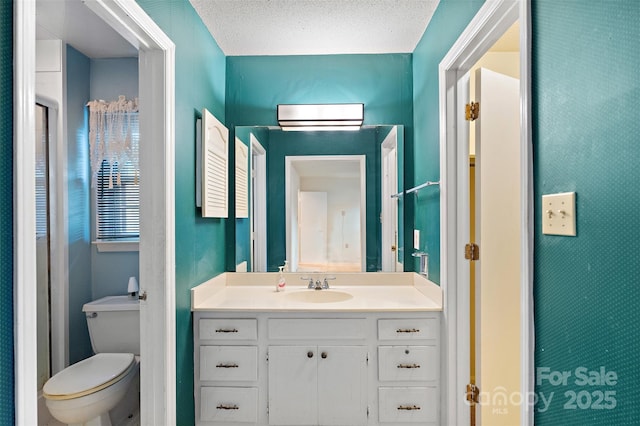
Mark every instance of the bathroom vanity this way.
pixel 364 352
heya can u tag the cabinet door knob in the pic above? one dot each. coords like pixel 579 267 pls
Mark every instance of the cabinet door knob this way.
pixel 310 354
pixel 323 355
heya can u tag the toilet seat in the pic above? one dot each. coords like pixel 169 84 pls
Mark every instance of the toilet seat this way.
pixel 89 376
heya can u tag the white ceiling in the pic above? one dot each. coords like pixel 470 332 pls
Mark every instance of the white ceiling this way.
pixel 264 27
pixel 312 27
pixel 77 25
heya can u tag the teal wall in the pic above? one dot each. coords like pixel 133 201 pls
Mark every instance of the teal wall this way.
pixel 256 84
pixel 586 86
pixel 78 183
pixel 446 25
pixel 7 410
pixel 200 243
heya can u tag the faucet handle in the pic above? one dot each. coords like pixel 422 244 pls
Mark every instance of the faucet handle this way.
pixel 311 285
pixel 325 284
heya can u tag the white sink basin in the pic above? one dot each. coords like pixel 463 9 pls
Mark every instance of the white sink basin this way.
pixel 319 296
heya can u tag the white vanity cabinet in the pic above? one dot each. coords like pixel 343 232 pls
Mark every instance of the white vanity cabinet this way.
pixel 300 368
pixel 318 385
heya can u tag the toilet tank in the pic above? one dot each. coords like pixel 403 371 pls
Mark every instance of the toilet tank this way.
pixel 114 324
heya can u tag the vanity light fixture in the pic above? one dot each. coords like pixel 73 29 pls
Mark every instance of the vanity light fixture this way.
pixel 320 117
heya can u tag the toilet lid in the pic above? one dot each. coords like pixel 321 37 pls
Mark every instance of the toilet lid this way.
pixel 88 376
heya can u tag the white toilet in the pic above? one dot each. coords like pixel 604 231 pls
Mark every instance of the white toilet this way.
pixel 84 393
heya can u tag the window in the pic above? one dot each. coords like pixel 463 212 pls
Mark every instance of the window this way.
pixel 118 199
pixel 118 194
pixel 114 138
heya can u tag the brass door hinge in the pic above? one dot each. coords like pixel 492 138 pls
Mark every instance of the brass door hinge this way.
pixel 473 393
pixel 471 111
pixel 471 251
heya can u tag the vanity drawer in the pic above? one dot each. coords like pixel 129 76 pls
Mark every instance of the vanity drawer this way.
pixel 408 405
pixel 228 329
pixel 317 328
pixel 408 329
pixel 408 363
pixel 229 405
pixel 229 363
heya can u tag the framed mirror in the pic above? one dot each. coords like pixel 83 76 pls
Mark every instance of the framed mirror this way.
pixel 324 201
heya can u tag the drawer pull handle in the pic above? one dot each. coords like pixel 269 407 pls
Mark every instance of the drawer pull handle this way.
pixel 227 366
pixel 227 330
pixel 227 407
pixel 408 365
pixel 408 330
pixel 409 407
pixel 310 354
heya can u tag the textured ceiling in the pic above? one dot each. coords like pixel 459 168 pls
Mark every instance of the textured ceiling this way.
pixel 267 27
pixel 312 27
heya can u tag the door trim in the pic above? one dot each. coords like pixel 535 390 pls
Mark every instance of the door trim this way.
pixel 491 21
pixel 157 242
pixel 24 225
pixel 259 209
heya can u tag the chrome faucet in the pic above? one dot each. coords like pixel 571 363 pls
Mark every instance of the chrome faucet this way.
pixel 317 284
pixel 325 283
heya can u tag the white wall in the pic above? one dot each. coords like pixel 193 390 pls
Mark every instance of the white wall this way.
pixel 292 249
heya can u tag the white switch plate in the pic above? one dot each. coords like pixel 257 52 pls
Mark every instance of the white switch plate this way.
pixel 559 214
pixel 416 239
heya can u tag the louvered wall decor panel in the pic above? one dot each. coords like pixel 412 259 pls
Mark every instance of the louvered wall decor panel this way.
pixel 242 180
pixel 215 144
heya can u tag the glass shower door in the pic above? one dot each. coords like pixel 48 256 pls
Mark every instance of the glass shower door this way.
pixel 42 245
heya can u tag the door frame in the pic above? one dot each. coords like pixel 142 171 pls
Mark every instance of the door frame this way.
pixel 157 233
pixel 491 21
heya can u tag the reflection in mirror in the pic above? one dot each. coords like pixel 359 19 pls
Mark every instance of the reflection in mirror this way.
pixel 368 237
pixel 325 213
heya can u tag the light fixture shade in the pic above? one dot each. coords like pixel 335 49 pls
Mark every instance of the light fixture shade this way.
pixel 320 116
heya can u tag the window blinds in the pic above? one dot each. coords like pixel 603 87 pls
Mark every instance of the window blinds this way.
pixel 118 194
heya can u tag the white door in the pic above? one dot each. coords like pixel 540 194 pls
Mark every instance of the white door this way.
pixel 342 385
pixel 312 223
pixel 258 206
pixel 293 385
pixel 498 236
pixel 389 206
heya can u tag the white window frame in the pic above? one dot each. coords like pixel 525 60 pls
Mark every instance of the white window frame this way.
pixel 115 244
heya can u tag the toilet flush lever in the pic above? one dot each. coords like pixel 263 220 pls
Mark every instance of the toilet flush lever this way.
pixel 143 296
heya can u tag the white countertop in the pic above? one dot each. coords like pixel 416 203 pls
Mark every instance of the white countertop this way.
pixel 374 291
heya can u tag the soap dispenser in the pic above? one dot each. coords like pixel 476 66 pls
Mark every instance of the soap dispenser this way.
pixel 281 281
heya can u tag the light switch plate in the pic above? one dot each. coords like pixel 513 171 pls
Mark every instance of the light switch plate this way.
pixel 416 239
pixel 559 214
